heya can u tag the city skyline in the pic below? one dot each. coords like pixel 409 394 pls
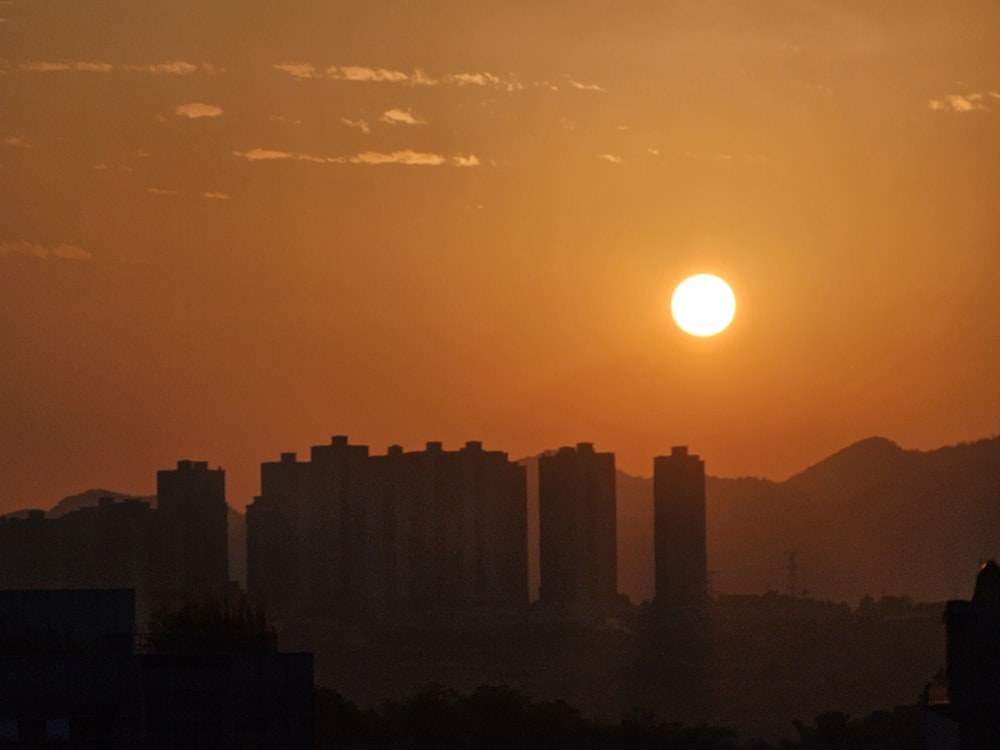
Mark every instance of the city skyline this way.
pixel 231 233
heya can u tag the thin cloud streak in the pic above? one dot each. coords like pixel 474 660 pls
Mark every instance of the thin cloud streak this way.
pixel 361 125
pixel 176 67
pixel 406 157
pixel 358 73
pixel 962 102
pixel 413 158
pixel 195 110
pixel 587 86
pixel 401 117
pixel 53 67
pixel 298 70
pixel 45 252
pixel 366 74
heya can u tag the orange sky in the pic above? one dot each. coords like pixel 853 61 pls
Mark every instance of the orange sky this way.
pixel 232 231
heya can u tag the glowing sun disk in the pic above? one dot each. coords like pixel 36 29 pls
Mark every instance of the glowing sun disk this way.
pixel 703 305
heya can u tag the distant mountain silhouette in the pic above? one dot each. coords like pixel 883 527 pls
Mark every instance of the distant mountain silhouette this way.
pixel 88 499
pixel 870 519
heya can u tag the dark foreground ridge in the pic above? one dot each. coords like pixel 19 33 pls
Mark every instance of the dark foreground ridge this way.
pixel 501 717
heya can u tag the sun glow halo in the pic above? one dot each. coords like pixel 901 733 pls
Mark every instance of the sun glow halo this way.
pixel 703 305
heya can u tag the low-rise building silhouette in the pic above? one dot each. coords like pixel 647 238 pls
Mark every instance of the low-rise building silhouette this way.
pixel 177 548
pixel 970 717
pixel 577 531
pixel 74 674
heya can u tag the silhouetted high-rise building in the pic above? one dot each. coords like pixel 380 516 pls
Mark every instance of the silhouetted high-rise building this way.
pixel 305 530
pixel 577 530
pixel 348 534
pixel 192 517
pixel 334 522
pixel 275 555
pixel 456 527
pixel 681 567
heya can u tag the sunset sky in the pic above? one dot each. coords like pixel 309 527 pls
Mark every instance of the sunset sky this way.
pixel 231 229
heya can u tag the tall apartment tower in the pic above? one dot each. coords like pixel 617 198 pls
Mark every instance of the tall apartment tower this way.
pixel 456 525
pixel 348 535
pixel 274 560
pixel 578 553
pixel 192 514
pixel 335 524
pixel 681 559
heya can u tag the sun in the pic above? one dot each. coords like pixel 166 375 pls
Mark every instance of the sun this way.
pixel 703 305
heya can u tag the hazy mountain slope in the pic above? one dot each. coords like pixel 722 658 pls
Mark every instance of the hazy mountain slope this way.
pixel 870 519
pixel 88 499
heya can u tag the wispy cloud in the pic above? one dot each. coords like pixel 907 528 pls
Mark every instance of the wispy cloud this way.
pixel 367 74
pixel 174 68
pixel 17 141
pixel 361 125
pixel 587 86
pixel 359 73
pixel 473 79
pixel 406 157
pixel 414 158
pixel 265 154
pixel 401 117
pixel 298 70
pixel 45 252
pixel 194 110
pixel 612 158
pixel 51 67
pixel 962 102
pixel 217 196
pixel 160 191
pixel 91 67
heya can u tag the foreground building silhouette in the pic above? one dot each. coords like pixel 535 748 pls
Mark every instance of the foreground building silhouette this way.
pixel 348 535
pixel 74 674
pixel 578 549
pixel 679 530
pixel 970 717
pixel 176 549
